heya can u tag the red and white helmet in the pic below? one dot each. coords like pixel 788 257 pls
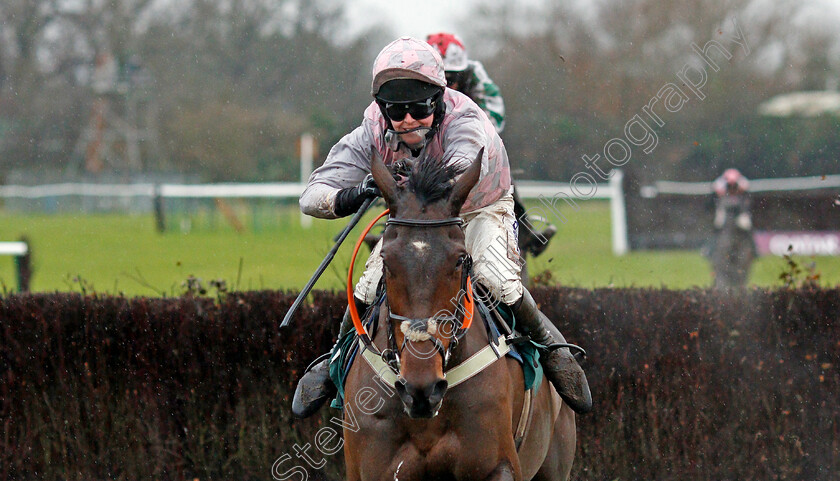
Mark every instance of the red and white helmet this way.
pixel 452 49
pixel 407 58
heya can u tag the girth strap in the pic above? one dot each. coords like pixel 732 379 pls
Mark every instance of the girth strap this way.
pixel 525 417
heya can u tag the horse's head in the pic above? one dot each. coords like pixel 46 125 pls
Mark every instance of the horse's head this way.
pixel 426 265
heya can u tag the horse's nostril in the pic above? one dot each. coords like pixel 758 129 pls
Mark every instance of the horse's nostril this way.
pixel 436 391
pixel 402 391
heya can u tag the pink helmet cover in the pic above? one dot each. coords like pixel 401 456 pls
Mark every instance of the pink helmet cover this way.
pixel 407 58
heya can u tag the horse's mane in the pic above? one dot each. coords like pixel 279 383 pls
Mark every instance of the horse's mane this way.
pixel 432 180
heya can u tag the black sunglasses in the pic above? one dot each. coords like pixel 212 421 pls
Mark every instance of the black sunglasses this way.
pixel 419 109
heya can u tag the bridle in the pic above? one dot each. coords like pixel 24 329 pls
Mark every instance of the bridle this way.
pixel 464 304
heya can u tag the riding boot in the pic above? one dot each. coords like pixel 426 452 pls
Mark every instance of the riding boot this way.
pixel 316 387
pixel 560 366
pixel 537 245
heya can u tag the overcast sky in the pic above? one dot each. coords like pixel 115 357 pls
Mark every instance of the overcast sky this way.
pixel 417 18
pixel 421 17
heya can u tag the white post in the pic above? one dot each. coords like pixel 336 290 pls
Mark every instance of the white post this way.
pixel 307 152
pixel 618 214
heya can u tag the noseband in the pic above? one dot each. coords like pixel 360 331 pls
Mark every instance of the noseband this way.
pixel 416 329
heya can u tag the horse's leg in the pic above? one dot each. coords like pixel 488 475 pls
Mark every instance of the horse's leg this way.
pixel 744 258
pixel 370 439
pixel 561 455
pixel 504 472
pixel 483 447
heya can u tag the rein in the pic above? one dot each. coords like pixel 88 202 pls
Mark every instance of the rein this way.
pixel 351 304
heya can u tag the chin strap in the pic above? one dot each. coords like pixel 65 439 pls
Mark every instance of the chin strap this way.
pixel 393 138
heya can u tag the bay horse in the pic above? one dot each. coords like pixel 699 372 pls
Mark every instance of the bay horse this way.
pixel 410 419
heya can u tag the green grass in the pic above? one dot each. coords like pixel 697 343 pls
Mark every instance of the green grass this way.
pixel 124 254
pixel 121 253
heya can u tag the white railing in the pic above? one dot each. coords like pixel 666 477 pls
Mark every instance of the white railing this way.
pixel 526 189
pixel 756 185
pixel 13 249
pixel 18 250
pixel 240 190
pixel 613 191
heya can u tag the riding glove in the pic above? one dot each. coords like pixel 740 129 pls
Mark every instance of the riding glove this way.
pixel 348 200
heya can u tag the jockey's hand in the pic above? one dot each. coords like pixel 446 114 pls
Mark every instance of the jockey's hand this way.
pixel 368 188
pixel 743 221
pixel 349 200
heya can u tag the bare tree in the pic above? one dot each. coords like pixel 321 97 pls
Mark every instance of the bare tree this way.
pixel 582 70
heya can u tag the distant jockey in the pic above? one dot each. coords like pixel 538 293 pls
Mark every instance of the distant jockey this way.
pixel 732 192
pixel 469 77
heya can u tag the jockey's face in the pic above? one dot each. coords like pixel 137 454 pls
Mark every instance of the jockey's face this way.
pixel 408 123
pixel 455 80
pixel 732 188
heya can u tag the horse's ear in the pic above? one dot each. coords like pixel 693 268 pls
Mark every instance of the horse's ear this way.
pixel 465 183
pixel 383 177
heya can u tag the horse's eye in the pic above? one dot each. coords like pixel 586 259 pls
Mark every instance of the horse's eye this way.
pixel 461 260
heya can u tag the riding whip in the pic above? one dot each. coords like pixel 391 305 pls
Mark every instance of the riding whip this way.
pixel 321 268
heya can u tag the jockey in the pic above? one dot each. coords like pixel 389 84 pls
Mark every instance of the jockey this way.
pixel 732 191
pixel 469 77
pixel 414 117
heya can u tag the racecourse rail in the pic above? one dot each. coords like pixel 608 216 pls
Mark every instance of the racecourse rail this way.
pixel 20 251
pixel 549 194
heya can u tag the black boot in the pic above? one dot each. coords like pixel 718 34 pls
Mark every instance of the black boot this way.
pixel 559 365
pixel 315 387
pixel 537 246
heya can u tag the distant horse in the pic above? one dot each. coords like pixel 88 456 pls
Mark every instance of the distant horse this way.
pixel 411 417
pixel 733 250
